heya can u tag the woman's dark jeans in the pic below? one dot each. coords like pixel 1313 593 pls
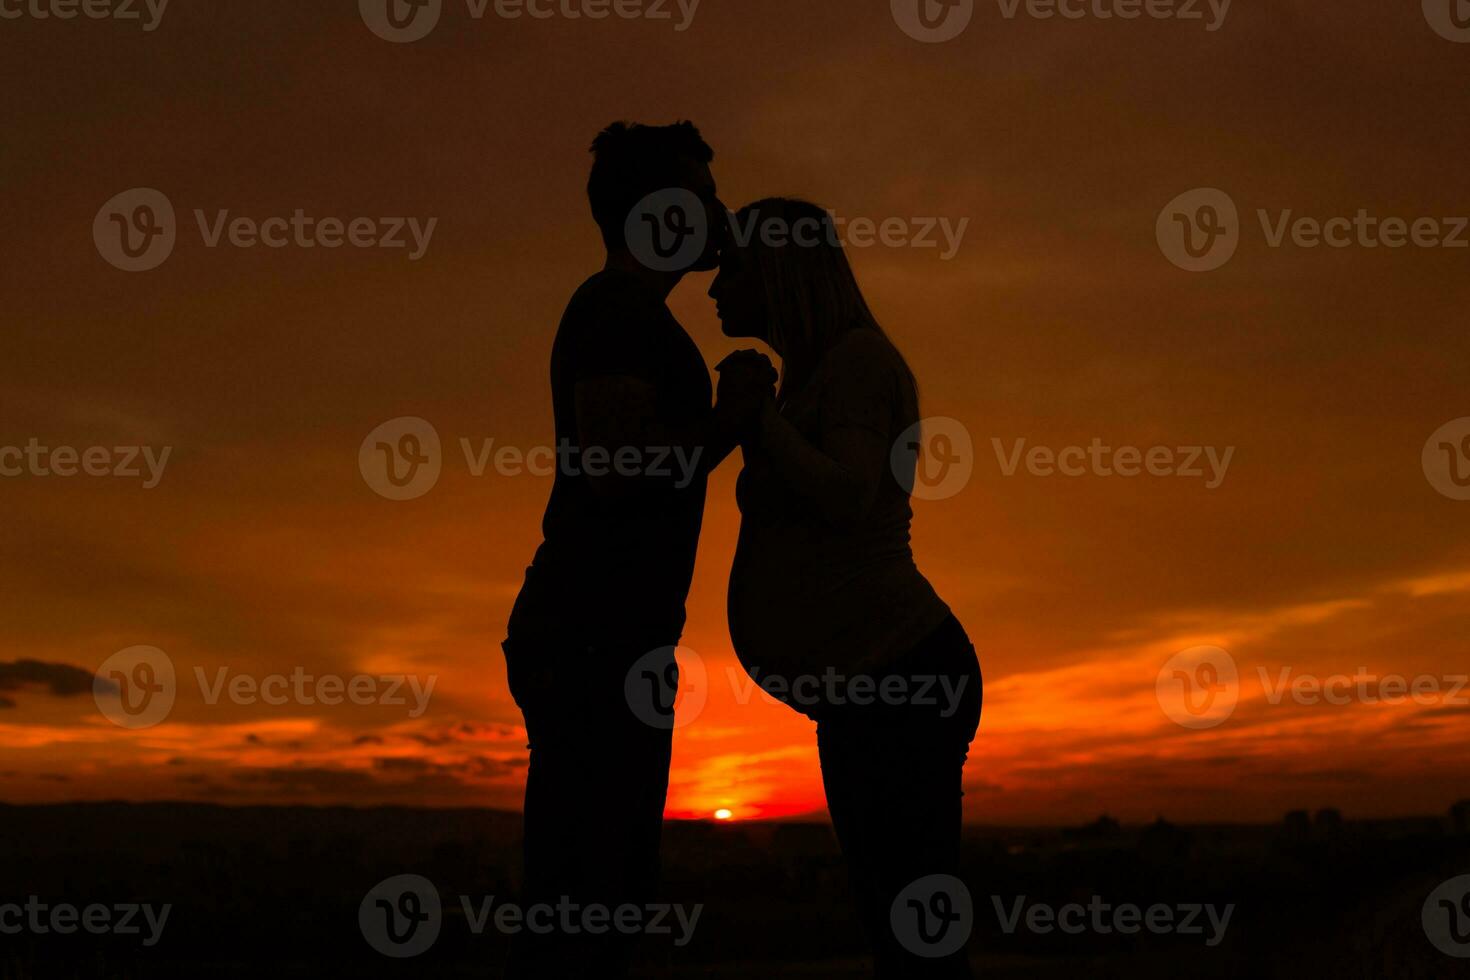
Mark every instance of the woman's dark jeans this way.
pixel 892 771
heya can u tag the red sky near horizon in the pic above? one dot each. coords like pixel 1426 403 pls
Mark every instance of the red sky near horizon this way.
pixel 1324 551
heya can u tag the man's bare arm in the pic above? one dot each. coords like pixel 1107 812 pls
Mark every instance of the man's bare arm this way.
pixel 618 414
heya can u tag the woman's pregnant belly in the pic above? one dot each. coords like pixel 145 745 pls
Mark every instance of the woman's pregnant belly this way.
pixel 805 601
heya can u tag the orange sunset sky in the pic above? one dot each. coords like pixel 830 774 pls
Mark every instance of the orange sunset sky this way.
pixel 1325 549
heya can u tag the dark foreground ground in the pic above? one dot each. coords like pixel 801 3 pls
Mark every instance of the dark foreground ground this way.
pixel 276 893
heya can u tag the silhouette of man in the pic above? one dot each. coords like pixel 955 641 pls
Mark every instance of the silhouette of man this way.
pixel 636 437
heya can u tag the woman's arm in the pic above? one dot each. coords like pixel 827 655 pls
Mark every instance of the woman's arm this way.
pixel 840 479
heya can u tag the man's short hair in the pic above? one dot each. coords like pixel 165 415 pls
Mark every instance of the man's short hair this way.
pixel 631 161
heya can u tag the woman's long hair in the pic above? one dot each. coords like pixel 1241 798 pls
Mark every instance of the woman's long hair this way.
pixel 812 298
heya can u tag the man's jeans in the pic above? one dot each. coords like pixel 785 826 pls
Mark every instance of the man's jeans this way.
pixel 594 801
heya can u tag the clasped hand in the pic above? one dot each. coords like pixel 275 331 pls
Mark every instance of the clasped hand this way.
pixel 747 382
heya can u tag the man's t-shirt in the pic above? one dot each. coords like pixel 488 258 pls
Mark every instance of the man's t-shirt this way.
pixel 615 569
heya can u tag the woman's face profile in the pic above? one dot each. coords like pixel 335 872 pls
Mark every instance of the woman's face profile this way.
pixel 737 295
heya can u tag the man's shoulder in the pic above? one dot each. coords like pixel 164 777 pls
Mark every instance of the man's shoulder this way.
pixel 611 296
pixel 616 325
pixel 614 308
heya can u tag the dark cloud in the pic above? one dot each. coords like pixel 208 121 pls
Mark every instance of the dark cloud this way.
pixel 468 732
pixel 311 781
pixel 408 765
pixel 61 680
pixel 391 780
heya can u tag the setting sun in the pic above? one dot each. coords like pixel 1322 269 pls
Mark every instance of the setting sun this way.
pixel 723 814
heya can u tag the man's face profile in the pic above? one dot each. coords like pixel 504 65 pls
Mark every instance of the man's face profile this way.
pixel 698 179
